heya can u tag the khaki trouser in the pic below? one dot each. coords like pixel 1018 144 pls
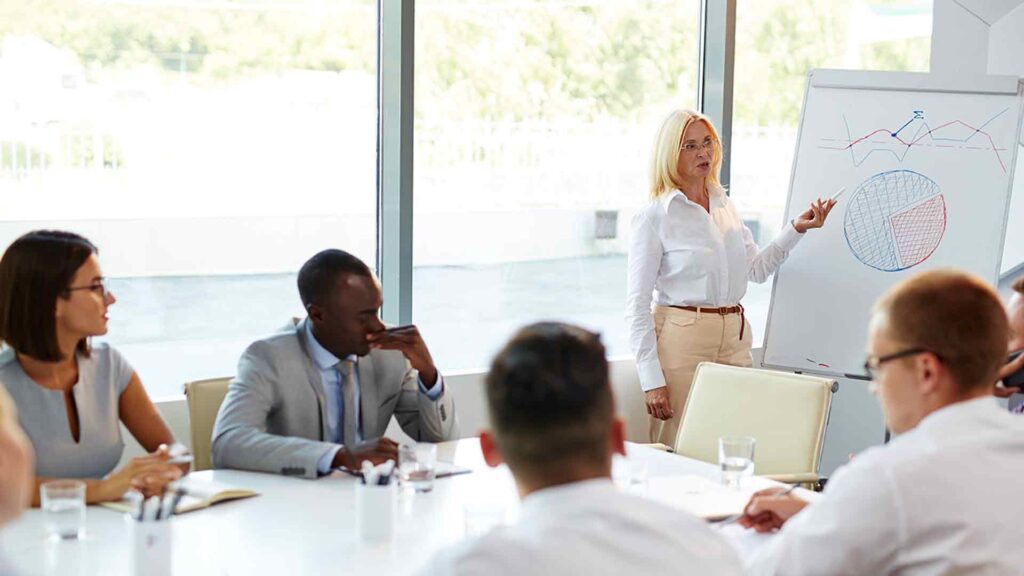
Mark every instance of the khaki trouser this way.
pixel 685 339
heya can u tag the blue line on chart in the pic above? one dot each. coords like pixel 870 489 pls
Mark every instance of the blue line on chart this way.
pixel 928 131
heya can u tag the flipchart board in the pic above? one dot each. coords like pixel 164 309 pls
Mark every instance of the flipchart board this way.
pixel 927 165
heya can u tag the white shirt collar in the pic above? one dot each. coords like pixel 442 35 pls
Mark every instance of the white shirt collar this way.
pixel 323 359
pixel 714 195
pixel 548 501
pixel 957 411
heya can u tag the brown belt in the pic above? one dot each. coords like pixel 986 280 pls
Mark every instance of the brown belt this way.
pixel 723 311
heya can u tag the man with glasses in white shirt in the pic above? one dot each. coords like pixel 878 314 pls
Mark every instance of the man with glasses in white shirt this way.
pixel 552 421
pixel 943 496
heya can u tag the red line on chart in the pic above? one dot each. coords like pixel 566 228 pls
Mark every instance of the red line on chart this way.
pixel 923 131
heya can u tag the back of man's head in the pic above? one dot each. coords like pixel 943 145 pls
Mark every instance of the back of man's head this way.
pixel 550 401
pixel 954 315
pixel 318 276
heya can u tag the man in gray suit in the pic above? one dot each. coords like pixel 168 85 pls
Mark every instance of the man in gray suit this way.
pixel 320 394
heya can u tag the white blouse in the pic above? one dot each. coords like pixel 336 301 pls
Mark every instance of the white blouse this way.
pixel 681 255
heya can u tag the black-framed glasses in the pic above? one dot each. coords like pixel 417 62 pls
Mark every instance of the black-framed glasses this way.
pixel 872 363
pixel 97 287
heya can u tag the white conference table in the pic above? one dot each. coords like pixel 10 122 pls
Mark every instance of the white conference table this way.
pixel 306 527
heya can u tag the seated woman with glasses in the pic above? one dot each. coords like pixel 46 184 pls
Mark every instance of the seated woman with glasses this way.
pixel 72 395
pixel 692 255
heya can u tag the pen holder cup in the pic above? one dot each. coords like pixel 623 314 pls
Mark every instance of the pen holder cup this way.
pixel 151 547
pixel 376 508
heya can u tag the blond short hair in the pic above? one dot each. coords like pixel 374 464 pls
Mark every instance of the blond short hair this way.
pixel 954 315
pixel 664 172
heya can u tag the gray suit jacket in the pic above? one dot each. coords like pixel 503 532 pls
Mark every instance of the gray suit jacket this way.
pixel 274 417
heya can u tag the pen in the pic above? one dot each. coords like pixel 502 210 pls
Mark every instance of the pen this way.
pixel 386 469
pixel 166 507
pixel 369 473
pixel 136 501
pixel 178 493
pixel 735 517
pixel 179 454
pixel 151 509
pixel 838 193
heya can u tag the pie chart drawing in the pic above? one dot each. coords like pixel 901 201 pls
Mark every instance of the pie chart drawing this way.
pixel 895 220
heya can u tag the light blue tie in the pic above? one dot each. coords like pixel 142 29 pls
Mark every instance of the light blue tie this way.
pixel 348 394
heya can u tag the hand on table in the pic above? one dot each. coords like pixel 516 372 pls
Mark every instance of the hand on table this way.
pixel 376 451
pixel 151 472
pixel 769 509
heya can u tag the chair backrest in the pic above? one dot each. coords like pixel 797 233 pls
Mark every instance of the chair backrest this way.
pixel 786 413
pixel 204 400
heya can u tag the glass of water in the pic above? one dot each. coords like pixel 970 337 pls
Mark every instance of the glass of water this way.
pixel 417 466
pixel 63 505
pixel 736 457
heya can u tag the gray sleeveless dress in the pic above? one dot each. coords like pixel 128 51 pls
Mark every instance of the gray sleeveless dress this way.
pixel 102 377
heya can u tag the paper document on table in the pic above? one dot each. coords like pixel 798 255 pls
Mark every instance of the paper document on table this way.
pixel 701 496
pixel 200 494
pixel 444 469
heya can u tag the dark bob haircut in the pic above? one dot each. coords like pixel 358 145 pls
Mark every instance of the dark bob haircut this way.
pixel 36 269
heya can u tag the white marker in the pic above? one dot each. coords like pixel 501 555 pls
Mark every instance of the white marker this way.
pixel 838 193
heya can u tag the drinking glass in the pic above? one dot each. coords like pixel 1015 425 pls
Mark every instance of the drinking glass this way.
pixel 417 466
pixel 63 504
pixel 736 457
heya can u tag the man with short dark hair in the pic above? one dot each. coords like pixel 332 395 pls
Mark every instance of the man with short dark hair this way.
pixel 942 497
pixel 321 394
pixel 552 421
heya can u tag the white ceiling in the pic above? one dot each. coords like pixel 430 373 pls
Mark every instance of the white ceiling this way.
pixel 989 11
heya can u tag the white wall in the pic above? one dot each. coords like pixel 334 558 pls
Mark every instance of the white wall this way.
pixel 1006 43
pixel 959 39
pixel 977 36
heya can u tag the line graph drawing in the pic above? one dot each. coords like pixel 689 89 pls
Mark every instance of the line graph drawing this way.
pixel 917 133
pixel 895 220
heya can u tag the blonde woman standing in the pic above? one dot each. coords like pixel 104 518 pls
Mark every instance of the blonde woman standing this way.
pixel 691 254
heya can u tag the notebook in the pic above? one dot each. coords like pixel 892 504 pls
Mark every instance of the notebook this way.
pixel 200 494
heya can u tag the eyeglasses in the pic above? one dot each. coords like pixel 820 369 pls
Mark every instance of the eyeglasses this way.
pixel 96 287
pixel 691 146
pixel 872 363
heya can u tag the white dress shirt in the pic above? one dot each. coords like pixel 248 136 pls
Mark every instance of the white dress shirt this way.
pixel 591 528
pixel 330 378
pixel 943 498
pixel 687 256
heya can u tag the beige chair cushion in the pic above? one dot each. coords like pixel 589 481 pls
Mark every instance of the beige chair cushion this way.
pixel 204 399
pixel 786 413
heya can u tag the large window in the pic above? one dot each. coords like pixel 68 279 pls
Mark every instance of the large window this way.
pixel 208 149
pixel 777 43
pixel 534 124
